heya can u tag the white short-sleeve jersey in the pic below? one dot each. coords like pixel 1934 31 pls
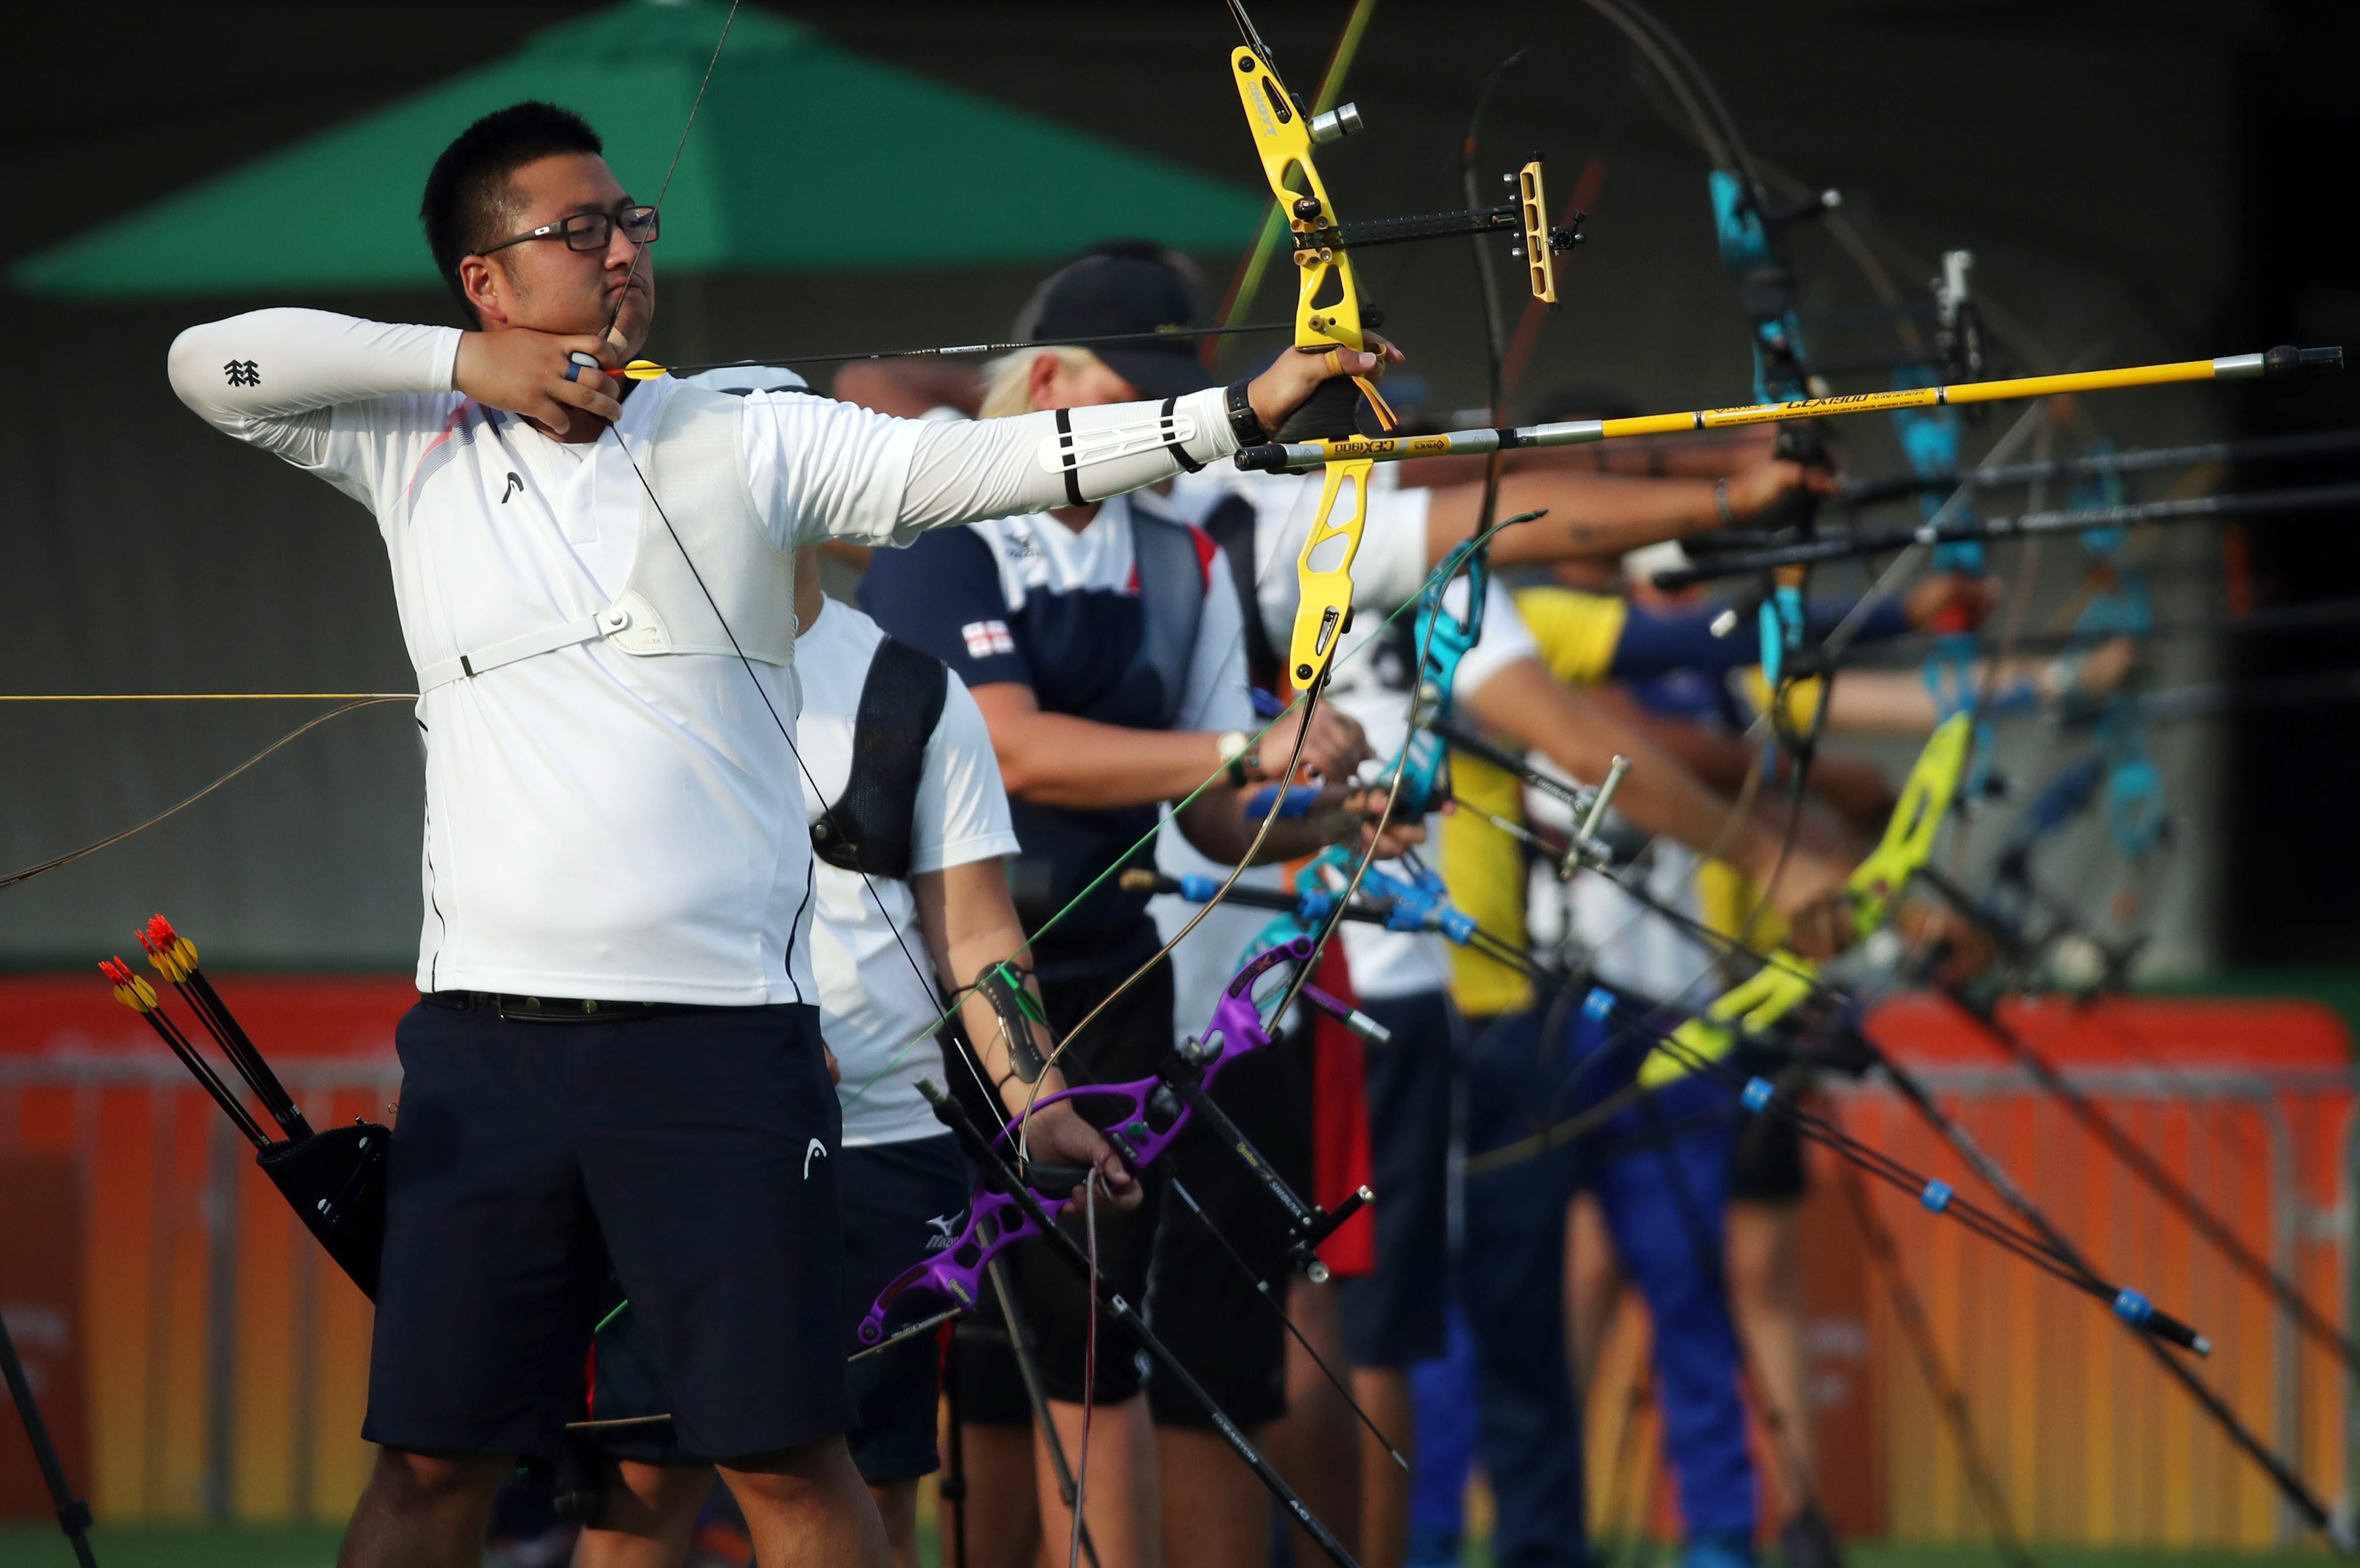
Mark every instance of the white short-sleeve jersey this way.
pixel 877 989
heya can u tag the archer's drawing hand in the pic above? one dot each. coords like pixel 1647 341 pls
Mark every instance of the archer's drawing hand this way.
pixel 523 372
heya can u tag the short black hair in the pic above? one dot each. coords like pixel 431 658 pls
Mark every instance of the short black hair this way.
pixel 464 204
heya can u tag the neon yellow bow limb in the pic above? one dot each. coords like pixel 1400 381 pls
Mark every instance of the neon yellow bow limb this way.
pixel 1785 980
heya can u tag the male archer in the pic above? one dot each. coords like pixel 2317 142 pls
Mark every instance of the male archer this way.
pixel 616 1054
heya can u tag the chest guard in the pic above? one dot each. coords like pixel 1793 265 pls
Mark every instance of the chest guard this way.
pixel 1172 601
pixel 871 827
pixel 693 461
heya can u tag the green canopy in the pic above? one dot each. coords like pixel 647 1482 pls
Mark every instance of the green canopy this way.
pixel 804 156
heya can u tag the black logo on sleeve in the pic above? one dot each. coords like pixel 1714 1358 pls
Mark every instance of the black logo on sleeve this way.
pixel 242 373
pixel 515 483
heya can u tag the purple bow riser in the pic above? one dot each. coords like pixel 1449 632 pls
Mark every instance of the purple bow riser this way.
pixel 996 1220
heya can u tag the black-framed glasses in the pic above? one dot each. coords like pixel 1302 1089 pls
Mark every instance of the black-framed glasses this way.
pixel 589 231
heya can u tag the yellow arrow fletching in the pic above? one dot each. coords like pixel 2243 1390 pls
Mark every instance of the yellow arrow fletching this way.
pixel 644 370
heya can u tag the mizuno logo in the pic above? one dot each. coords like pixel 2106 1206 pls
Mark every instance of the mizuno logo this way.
pixel 941 1241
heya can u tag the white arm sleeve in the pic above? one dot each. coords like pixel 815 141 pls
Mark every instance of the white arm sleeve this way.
pixel 1001 468
pixel 820 468
pixel 271 377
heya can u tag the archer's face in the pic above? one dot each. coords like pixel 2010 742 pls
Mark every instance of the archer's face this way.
pixel 545 285
pixel 1088 386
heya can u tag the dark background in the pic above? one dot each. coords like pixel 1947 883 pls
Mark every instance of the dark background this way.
pixel 2138 180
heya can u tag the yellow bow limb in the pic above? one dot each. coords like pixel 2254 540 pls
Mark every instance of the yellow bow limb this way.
pixel 1784 983
pixel 1909 833
pixel 1775 989
pixel 1324 601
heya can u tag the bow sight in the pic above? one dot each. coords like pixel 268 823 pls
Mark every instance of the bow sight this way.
pixel 1331 315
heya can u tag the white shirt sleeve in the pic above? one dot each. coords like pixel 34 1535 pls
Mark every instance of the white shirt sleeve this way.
pixel 316 389
pixel 1388 570
pixel 1216 696
pixel 821 469
pixel 1505 638
pixel 962 809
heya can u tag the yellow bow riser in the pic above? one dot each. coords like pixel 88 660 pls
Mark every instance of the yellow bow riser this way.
pixel 1786 981
pixel 1324 592
pixel 1327 318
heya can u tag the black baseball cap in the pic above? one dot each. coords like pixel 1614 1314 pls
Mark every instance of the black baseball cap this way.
pixel 1107 295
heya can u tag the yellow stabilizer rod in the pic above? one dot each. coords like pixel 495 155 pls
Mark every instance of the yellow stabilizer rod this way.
pixel 2277 362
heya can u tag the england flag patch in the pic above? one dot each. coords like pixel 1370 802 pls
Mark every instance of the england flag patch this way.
pixel 984 639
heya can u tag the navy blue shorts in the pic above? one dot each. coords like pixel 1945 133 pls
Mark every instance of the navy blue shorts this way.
pixel 689 1156
pixel 1770 1169
pixel 902 1200
pixel 1394 1316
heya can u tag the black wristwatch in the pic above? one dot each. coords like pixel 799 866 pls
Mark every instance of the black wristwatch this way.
pixel 1244 423
pixel 1240 757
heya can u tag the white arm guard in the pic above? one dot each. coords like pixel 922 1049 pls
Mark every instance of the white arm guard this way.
pixel 1063 457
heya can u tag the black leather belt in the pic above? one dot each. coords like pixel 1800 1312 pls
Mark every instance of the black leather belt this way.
pixel 551 1010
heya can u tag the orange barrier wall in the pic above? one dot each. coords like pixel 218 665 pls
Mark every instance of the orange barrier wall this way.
pixel 2248 1104
pixel 224 1358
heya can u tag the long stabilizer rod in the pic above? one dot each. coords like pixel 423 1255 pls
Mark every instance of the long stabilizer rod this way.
pixel 2138 460
pixel 2276 363
pixel 1878 542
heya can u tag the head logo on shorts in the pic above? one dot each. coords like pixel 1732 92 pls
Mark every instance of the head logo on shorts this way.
pixel 816 1148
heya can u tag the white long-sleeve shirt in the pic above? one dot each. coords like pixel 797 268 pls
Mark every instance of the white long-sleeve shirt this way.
pixel 599 824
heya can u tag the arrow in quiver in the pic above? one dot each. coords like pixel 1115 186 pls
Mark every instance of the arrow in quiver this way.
pixel 334 1180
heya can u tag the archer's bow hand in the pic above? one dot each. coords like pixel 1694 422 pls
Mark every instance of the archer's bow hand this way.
pixel 1296 373
pixel 1760 485
pixel 1056 1135
pixel 1351 817
pixel 1812 896
pixel 1335 748
pixel 2084 680
pixel 1856 789
pixel 534 373
pixel 1951 601
pixel 1960 952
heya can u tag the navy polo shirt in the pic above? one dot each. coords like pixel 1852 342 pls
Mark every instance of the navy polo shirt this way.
pixel 1030 601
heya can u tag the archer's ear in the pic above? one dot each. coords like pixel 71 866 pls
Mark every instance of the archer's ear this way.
pixel 485 286
pixel 1041 380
